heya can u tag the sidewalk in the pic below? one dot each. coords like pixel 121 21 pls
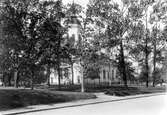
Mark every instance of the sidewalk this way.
pixel 101 98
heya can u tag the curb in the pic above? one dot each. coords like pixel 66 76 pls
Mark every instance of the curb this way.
pixel 82 104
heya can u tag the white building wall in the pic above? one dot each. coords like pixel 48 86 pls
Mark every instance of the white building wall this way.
pixel 77 73
pixel 74 30
pixel 110 76
pixel 53 77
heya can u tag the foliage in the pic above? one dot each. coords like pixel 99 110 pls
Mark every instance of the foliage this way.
pixel 143 74
pixel 92 65
pixel 27 27
pixel 34 37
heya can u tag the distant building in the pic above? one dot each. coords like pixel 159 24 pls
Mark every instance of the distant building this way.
pixel 107 74
pixel 164 68
pixel 1 77
pixel 73 73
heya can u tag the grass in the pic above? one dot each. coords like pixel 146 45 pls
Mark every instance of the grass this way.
pixel 17 98
pixel 116 90
pixel 113 88
pixel 122 91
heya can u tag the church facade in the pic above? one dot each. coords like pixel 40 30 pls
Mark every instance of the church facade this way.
pixel 69 74
pixel 73 73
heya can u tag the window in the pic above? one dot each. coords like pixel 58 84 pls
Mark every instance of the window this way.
pixel 51 80
pixel 66 73
pixel 104 74
pixel 113 74
pixel 78 79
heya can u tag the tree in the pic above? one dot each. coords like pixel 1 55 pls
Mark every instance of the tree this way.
pixel 117 20
pixel 80 48
pixel 14 17
pixel 72 15
pixel 145 38
pixel 150 34
pixel 51 33
pixel 24 34
pixel 92 65
pixel 157 38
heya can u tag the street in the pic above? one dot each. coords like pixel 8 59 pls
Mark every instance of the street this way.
pixel 154 105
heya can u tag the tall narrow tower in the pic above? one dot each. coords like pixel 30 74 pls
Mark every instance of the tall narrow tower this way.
pixel 74 26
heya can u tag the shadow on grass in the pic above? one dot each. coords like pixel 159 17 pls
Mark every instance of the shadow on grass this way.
pixel 17 98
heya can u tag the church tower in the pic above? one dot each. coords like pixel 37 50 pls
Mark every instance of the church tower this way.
pixel 74 27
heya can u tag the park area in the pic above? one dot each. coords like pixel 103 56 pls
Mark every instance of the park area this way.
pixel 12 98
pixel 54 52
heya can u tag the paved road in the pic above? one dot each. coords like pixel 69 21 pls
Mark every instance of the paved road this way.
pixel 154 105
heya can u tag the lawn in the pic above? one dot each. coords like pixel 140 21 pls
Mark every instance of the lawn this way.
pixel 11 98
pixel 114 90
pixel 16 98
pixel 117 90
pixel 122 91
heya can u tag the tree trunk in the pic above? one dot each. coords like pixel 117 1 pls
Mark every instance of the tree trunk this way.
pixel 59 75
pixel 146 55
pixel 146 63
pixel 59 62
pixel 123 65
pixel 9 79
pixel 3 80
pixel 32 80
pixel 154 63
pixel 72 71
pixel 82 78
pixel 94 83
pixel 48 75
pixel 16 79
pixel 99 81
pixel 82 84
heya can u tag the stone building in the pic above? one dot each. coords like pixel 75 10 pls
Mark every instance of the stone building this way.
pixel 107 75
pixel 73 73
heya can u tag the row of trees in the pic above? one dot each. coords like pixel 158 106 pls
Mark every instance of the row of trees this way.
pixel 132 28
pixel 34 36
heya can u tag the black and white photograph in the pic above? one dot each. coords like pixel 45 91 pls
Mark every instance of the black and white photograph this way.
pixel 83 57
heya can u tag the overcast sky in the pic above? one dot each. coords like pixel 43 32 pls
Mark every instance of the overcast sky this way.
pixel 81 2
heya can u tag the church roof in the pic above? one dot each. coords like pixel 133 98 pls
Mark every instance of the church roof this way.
pixel 74 20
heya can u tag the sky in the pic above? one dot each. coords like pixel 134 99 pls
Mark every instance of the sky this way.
pixel 81 2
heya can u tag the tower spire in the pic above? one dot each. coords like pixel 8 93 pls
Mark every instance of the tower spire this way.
pixel 73 8
pixel 73 14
